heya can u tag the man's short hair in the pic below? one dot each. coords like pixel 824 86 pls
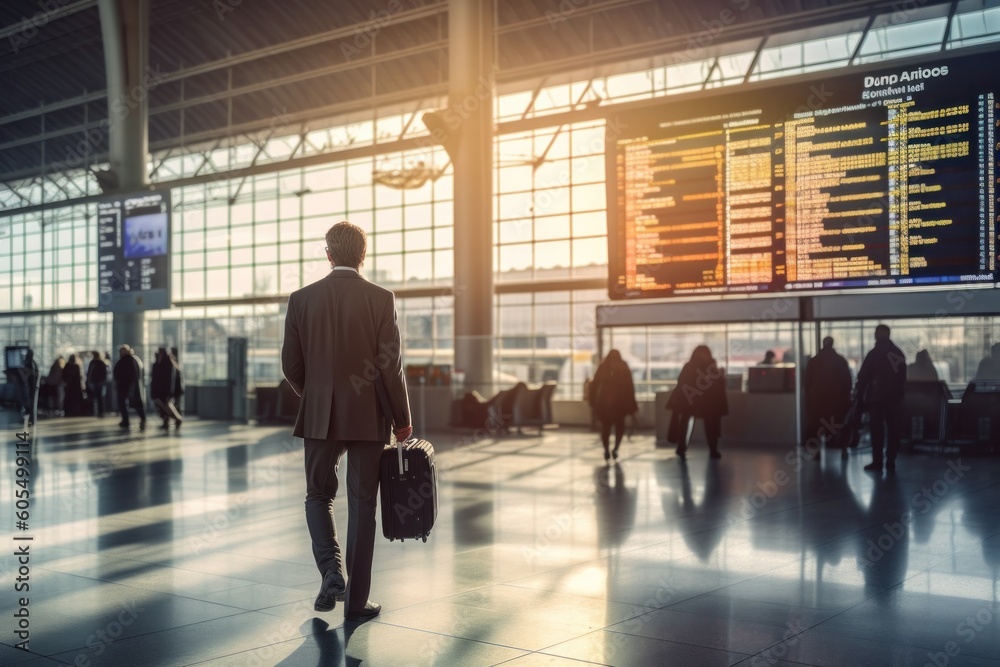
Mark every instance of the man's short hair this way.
pixel 882 329
pixel 347 244
pixel 828 342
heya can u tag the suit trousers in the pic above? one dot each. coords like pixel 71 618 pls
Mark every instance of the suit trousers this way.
pixel 322 463
pixel 886 428
pixel 126 401
pixel 713 429
pixel 606 424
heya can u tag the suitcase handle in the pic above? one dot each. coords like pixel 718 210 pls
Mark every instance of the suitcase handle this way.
pixel 387 413
pixel 399 451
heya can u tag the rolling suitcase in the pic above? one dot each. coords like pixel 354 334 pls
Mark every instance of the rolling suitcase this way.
pixel 407 483
pixel 408 488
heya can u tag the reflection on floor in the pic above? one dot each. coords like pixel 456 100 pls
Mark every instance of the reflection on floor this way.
pixel 154 549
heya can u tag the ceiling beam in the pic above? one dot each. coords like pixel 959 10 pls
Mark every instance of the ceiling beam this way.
pixel 190 141
pixel 238 59
pixel 40 19
pixel 676 44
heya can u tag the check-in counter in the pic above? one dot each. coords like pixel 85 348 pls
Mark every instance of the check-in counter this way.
pixel 754 419
pixel 430 407
pixel 211 399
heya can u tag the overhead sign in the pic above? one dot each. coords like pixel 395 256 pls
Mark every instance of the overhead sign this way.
pixel 133 252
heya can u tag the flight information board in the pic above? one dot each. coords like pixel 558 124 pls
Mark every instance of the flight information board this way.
pixel 133 252
pixel 864 180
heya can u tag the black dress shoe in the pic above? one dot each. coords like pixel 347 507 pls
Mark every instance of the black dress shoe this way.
pixel 332 590
pixel 371 610
pixel 874 467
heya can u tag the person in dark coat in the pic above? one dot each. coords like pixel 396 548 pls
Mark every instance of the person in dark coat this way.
pixel 989 367
pixel 27 384
pixel 612 398
pixel 828 385
pixel 97 377
pixel 165 386
pixel 129 384
pixel 700 392
pixel 922 369
pixel 881 387
pixel 73 383
pixel 56 387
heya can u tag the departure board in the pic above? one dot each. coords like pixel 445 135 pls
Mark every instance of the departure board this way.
pixel 133 253
pixel 864 180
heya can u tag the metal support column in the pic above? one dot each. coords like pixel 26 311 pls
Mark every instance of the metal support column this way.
pixel 470 116
pixel 125 32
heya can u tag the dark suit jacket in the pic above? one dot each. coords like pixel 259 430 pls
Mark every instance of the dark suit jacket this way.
pixel 130 376
pixel 828 384
pixel 882 378
pixel 340 333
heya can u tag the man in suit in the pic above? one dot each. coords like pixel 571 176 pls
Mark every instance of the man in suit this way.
pixel 130 384
pixel 341 337
pixel 882 386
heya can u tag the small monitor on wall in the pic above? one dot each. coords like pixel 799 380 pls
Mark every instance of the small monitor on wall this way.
pixel 14 356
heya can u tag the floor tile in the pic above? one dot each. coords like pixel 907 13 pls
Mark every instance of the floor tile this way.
pixel 541 555
pixel 614 648
pixel 370 643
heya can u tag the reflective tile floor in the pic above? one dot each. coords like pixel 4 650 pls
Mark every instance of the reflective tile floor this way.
pixel 154 549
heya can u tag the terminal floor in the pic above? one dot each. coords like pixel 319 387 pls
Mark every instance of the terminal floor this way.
pixel 191 549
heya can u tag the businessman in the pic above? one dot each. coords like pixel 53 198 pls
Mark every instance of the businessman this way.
pixel 130 384
pixel 341 339
pixel 882 386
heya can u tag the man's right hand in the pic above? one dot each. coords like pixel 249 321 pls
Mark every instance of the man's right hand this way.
pixel 403 433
